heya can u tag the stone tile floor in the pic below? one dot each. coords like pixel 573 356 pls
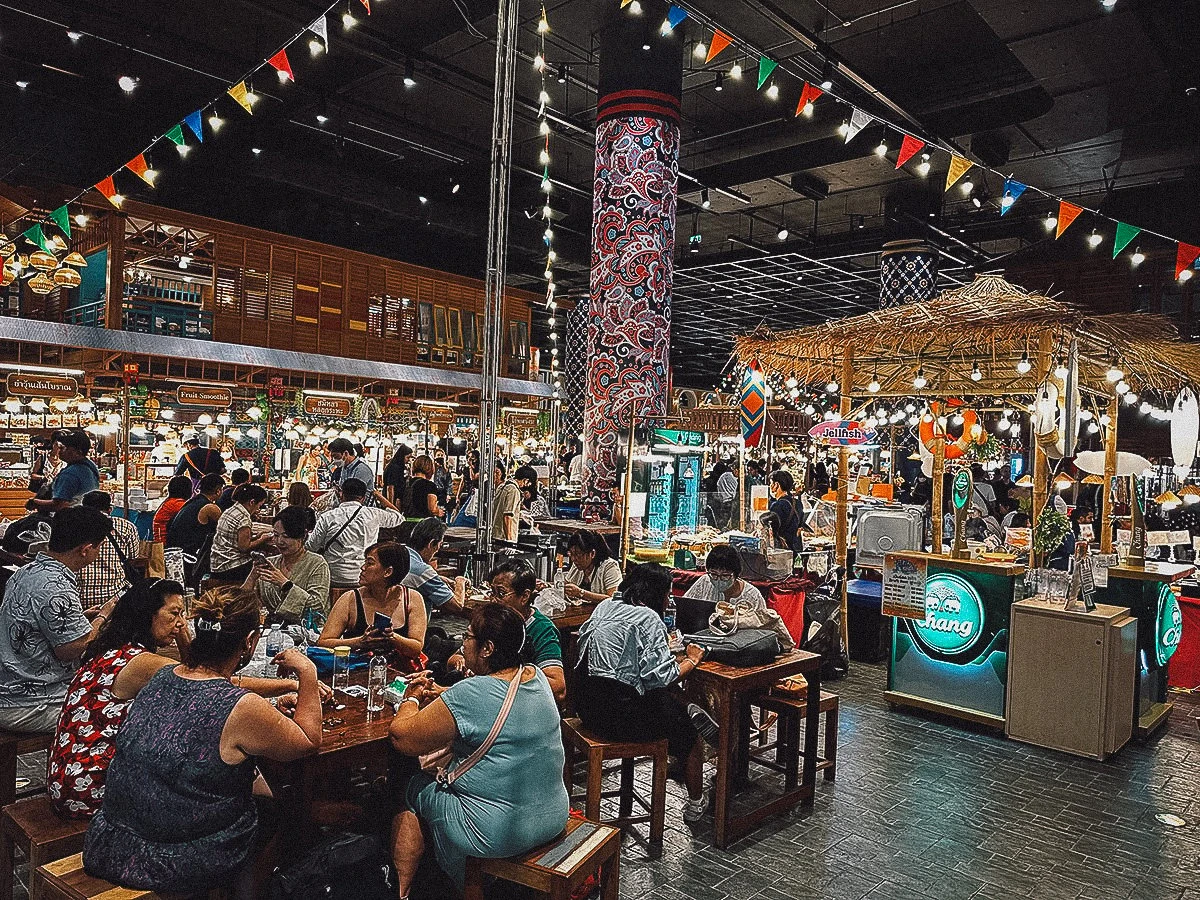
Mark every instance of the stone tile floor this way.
pixel 924 809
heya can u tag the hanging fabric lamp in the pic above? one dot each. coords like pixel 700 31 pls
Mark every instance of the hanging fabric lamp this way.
pixel 67 278
pixel 75 258
pixel 40 259
pixel 41 283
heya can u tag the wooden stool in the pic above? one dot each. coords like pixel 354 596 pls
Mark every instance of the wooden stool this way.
pixel 12 745
pixel 791 711
pixel 559 867
pixel 41 833
pixel 65 879
pixel 578 740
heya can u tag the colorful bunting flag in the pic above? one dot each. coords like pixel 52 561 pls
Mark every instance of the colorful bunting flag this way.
pixel 175 135
pixel 1012 193
pixel 625 3
pixel 753 406
pixel 1185 256
pixel 1067 213
pixel 808 94
pixel 320 28
pixel 766 66
pixel 139 167
pixel 858 121
pixel 280 63
pixel 62 218
pixel 958 168
pixel 367 5
pixel 1125 234
pixel 196 125
pixel 36 236
pixel 241 94
pixel 675 15
pixel 909 147
pixel 719 42
pixel 106 187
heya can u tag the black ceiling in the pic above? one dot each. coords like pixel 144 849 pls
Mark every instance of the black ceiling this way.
pixel 1093 104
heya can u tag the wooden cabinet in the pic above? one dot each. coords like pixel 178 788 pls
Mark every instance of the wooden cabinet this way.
pixel 1071 677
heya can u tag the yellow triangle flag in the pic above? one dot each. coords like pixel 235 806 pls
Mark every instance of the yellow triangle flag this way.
pixel 625 3
pixel 958 168
pixel 239 93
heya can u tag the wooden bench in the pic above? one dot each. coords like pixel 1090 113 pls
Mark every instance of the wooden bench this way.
pixel 786 746
pixel 12 745
pixel 558 868
pixel 42 835
pixel 65 879
pixel 579 741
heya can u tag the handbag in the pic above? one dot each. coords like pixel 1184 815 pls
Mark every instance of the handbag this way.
pixel 745 647
pixel 438 760
pixel 345 867
pixel 729 618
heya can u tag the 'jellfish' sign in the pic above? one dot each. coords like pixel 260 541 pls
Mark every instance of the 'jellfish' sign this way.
pixel 841 433
pixel 953 619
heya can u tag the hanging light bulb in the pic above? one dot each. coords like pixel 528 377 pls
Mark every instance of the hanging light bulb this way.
pixel 215 122
pixel 920 381
pixel 1007 200
pixel 923 165
pixel 348 20
pixel 701 50
pixel 736 71
pixel 1094 239
pixel 1113 374
pixel 1051 221
pixel 543 26
pixel 832 387
pixel 1024 365
pixel 1122 387
pixel 967 186
pixel 1060 369
pixel 1185 275
pixel 539 63
pixel 773 91
pixel 1130 398
pixel 844 128
pixel 873 387
pixel 1003 425
pixel 976 375
pixel 882 149
pixel 1138 257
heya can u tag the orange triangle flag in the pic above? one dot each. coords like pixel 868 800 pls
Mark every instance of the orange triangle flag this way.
pixel 108 189
pixel 1067 213
pixel 280 63
pixel 367 4
pixel 909 148
pixel 808 94
pixel 719 42
pixel 958 168
pixel 1185 256
pixel 239 93
pixel 139 167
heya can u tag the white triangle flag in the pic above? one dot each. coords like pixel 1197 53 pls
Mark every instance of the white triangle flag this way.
pixel 321 29
pixel 858 121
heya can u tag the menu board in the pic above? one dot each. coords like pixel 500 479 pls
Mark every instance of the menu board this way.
pixel 904 587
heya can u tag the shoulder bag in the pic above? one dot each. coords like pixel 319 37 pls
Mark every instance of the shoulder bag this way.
pixel 446 777
pixel 337 534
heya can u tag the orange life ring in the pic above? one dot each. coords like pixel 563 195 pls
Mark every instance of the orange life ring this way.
pixel 954 449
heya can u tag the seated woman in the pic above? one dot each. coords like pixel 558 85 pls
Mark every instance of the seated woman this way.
pixel 234 541
pixel 351 622
pixel 594 575
pixel 179 492
pixel 722 579
pixel 296 581
pixel 627 673
pixel 513 798
pixel 179 814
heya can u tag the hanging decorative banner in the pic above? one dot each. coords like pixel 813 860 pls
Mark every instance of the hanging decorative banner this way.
pixel 106 187
pixel 958 168
pixel 858 121
pixel 62 218
pixel 175 136
pixel 1185 256
pixel 766 66
pixel 320 28
pixel 139 167
pixel 1012 193
pixel 196 125
pixel 841 433
pixel 367 5
pixel 1067 213
pixel 239 93
pixel 675 15
pixel 720 41
pixel 36 236
pixel 808 94
pixel 909 147
pixel 752 407
pixel 281 64
pixel 1125 234
pixel 625 3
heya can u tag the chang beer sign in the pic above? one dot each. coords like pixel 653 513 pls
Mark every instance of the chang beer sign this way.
pixel 1168 625
pixel 953 622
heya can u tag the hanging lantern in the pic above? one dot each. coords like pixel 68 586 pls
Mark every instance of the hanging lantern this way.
pixel 75 258
pixel 41 283
pixel 67 278
pixel 7 247
pixel 7 276
pixel 40 259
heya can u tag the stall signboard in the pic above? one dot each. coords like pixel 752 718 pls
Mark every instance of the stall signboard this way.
pixel 712 420
pixel 333 407
pixel 841 433
pixel 1168 628
pixel 787 422
pixel 904 587
pixel 673 438
pixel 953 621
pixel 47 386
pixel 197 395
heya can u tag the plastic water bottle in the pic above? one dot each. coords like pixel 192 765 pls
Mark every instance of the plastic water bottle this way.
pixel 275 645
pixel 377 682
pixel 669 618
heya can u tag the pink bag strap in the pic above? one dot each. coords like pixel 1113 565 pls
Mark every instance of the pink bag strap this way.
pixel 448 778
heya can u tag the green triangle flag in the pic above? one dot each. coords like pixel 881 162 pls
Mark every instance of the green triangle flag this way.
pixel 35 235
pixel 1125 234
pixel 62 218
pixel 766 66
pixel 176 134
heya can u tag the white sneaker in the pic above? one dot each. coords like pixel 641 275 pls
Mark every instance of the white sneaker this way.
pixel 693 810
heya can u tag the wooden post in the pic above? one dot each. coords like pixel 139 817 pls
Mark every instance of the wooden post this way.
pixel 1041 465
pixel 125 442
pixel 1110 470
pixel 114 301
pixel 741 500
pixel 842 528
pixel 939 476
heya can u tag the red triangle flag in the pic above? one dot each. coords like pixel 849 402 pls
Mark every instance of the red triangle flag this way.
pixel 909 148
pixel 280 63
pixel 367 4
pixel 1067 213
pixel 108 189
pixel 719 42
pixel 1186 255
pixel 808 94
pixel 139 167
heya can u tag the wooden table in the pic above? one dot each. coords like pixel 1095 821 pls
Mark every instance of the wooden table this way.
pixel 733 686
pixel 575 526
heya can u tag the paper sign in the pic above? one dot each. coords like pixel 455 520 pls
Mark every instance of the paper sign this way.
pixel 1086 533
pixel 1018 538
pixel 1087 583
pixel 1158 538
pixel 1181 537
pixel 1124 536
pixel 904 587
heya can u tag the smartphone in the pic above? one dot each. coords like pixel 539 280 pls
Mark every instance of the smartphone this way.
pixel 381 622
pixel 259 558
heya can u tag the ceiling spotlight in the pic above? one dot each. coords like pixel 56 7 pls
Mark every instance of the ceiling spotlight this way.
pixel 882 149
pixel 646 46
pixel 1050 222
pixel 736 71
pixel 705 200
pixel 773 91
pixel 22 84
pixel 423 199
pixel 923 165
pixel 74 36
pixel 185 260
pixel 1138 257
pixel 920 380
pixel 1108 4
pixel 456 188
pixel 409 72
pixel 976 202
pixel 256 150
pixel 719 84
pixel 127 83
pixel 827 76
pixel 564 72
pixel 976 375
pixel 1094 239
pixel 322 118
pixel 782 234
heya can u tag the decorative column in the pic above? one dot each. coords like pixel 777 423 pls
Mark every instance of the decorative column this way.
pixel 908 273
pixel 633 240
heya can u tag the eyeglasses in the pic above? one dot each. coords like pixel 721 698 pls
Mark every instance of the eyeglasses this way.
pixel 716 573
pixel 500 593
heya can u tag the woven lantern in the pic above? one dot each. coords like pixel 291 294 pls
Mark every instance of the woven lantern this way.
pixel 40 259
pixel 7 247
pixel 7 276
pixel 67 278
pixel 75 258
pixel 41 283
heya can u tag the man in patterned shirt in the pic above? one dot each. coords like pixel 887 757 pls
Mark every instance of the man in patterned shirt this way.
pixel 43 631
pixel 104 579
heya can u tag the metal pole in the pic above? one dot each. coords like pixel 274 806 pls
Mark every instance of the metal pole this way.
pixel 628 487
pixel 555 425
pixel 497 264
pixel 125 442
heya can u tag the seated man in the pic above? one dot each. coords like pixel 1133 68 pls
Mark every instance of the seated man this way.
pixel 423 544
pixel 43 631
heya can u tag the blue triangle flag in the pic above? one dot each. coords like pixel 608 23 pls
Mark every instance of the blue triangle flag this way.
pixel 194 122
pixel 1012 193
pixel 675 15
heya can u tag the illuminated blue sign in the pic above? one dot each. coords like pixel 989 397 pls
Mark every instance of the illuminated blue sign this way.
pixel 953 622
